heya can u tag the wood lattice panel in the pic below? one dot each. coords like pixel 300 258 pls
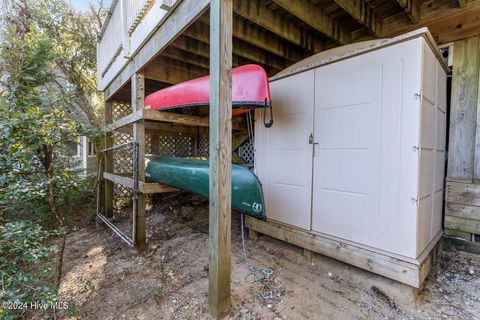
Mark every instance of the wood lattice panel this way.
pixel 120 110
pixel 122 158
pixel 148 144
pixel 203 147
pixel 175 145
pixel 247 152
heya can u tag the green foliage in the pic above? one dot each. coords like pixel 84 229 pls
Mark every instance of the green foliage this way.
pixel 24 265
pixel 73 37
pixel 36 128
pixel 47 72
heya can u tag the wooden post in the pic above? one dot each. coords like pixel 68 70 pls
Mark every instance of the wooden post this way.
pixel 462 211
pixel 463 112
pixel 308 256
pixel 220 157
pixel 108 163
pixel 138 97
pixel 253 235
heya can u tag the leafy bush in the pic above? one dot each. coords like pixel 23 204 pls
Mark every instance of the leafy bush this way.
pixel 36 128
pixel 24 265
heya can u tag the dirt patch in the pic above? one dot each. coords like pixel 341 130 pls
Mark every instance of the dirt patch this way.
pixel 104 279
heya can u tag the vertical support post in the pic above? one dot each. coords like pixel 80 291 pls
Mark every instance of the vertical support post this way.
pixel 138 98
pixel 108 163
pixel 463 112
pixel 220 157
pixel 461 212
pixel 308 256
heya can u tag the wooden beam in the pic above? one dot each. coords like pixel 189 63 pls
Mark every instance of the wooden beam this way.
pixel 184 14
pixel 406 271
pixel 186 119
pixel 108 163
pixel 411 8
pixel 248 32
pixel 202 49
pixel 463 192
pixel 266 18
pixel 446 21
pixel 125 121
pixel 154 115
pixel 180 65
pixel 317 19
pixel 462 224
pixel 463 110
pixel 460 26
pixel 361 11
pixel 187 57
pixel 219 271
pixel 138 99
pixel 143 187
pixel 162 71
pixel 199 32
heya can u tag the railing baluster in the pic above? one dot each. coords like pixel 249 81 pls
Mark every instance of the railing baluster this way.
pixel 117 41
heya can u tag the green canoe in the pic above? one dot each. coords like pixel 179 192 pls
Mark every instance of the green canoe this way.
pixel 193 175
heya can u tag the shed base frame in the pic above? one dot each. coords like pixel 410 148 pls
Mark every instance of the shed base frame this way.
pixel 402 269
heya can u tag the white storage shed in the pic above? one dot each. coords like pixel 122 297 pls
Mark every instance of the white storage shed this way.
pixel 356 155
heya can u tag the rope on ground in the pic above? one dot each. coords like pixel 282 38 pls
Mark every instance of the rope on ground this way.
pixel 270 285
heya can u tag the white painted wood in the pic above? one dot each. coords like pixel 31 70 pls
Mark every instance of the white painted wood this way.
pixel 135 11
pixel 130 25
pixel 378 168
pixel 111 44
pixel 285 159
pixel 147 26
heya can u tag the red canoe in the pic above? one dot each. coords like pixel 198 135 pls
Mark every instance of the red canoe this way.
pixel 249 90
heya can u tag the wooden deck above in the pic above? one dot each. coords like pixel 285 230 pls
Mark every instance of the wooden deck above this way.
pixel 169 39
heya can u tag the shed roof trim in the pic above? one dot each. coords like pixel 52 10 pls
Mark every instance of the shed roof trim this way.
pixel 355 49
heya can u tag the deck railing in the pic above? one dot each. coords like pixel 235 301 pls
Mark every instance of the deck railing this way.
pixel 127 27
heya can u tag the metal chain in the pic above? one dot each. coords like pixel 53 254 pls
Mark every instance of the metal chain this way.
pixel 265 279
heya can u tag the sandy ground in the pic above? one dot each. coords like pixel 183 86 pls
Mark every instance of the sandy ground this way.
pixel 105 279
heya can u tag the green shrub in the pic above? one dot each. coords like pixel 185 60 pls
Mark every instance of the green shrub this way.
pixel 25 266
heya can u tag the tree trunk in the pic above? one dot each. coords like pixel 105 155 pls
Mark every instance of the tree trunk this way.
pixel 59 264
pixel 52 205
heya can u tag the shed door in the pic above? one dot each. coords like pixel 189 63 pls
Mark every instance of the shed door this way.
pixel 367 125
pixel 346 154
pixel 285 155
